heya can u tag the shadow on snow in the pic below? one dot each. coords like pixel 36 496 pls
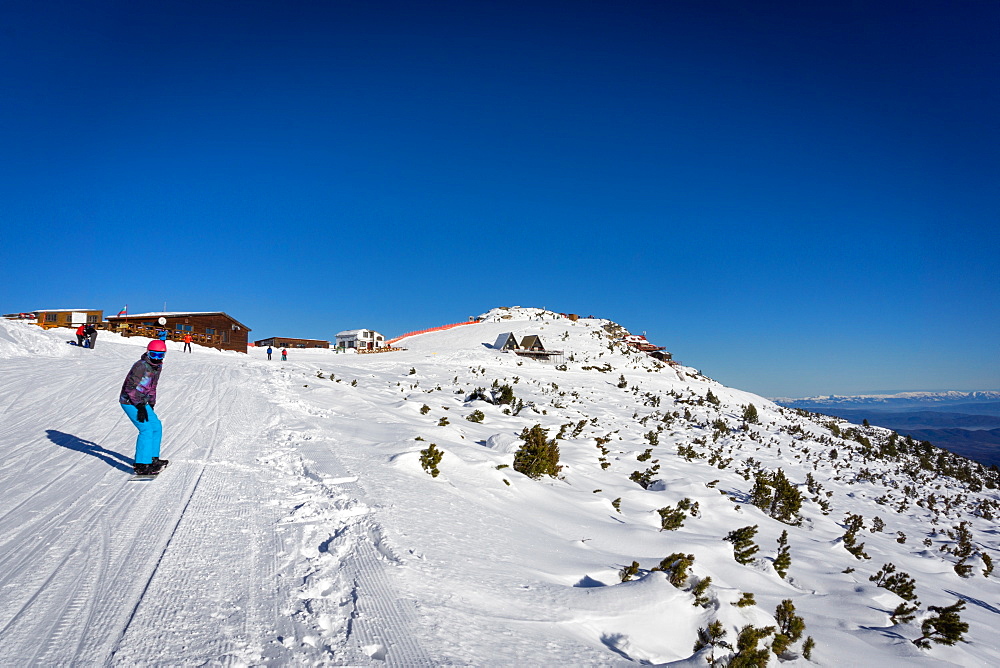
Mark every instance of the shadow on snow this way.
pixel 71 442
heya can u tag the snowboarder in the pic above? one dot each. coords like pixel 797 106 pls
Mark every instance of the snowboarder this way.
pixel 137 399
pixel 81 332
pixel 187 343
pixel 91 331
pixel 269 351
pixel 284 355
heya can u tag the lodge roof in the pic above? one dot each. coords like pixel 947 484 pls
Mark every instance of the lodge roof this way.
pixel 175 314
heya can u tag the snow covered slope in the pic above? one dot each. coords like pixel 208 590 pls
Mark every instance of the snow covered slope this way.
pixel 296 525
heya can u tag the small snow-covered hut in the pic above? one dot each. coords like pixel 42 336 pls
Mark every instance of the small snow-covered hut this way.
pixel 506 341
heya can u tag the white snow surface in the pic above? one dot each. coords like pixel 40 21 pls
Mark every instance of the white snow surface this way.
pixel 295 525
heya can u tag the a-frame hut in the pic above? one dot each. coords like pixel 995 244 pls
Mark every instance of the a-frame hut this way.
pixel 506 341
pixel 532 342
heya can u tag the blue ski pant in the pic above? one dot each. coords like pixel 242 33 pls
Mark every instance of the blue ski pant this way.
pixel 147 445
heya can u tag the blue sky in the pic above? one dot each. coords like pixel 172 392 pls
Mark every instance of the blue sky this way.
pixel 795 198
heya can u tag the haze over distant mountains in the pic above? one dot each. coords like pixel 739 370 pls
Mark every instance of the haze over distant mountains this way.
pixel 967 423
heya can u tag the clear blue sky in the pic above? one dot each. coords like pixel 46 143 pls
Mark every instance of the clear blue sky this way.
pixel 797 198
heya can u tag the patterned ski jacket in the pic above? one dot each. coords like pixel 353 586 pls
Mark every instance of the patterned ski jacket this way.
pixel 140 383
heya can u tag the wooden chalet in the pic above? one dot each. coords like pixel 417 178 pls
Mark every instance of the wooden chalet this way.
pixel 214 329
pixel 68 317
pixel 532 347
pixel 285 342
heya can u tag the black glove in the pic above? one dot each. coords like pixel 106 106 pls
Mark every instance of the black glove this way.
pixel 142 416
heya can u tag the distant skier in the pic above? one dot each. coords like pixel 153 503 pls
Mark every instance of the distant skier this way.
pixel 187 343
pixel 91 331
pixel 138 397
pixel 284 355
pixel 81 333
pixel 269 351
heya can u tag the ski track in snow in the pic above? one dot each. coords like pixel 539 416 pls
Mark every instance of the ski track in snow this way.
pixel 96 569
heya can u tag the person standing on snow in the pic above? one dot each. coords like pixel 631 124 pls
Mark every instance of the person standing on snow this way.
pixel 187 343
pixel 81 332
pixel 284 355
pixel 91 331
pixel 269 351
pixel 137 399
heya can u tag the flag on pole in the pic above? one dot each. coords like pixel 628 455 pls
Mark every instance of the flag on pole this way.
pixel 124 311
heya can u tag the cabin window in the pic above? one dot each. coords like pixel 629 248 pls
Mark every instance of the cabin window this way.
pixel 183 328
pixel 91 318
pixel 210 331
pixel 51 317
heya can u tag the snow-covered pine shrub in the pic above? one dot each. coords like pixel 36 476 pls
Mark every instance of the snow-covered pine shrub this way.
pixel 747 655
pixel 430 458
pixel 645 478
pixel 504 394
pixel 425 409
pixel 475 416
pixel 700 591
pixel 900 584
pixel 877 525
pixel 944 628
pixel 746 600
pixel 774 494
pixel 712 636
pixel 443 422
pixel 622 383
pixel 676 567
pixel 854 524
pixel 537 456
pixel 712 399
pixel 413 371
pixel 743 546
pixel 750 415
pixel 671 518
pixel 628 572
pixel 646 455
pixel 617 504
pixel 807 648
pixel 987 563
pixel 783 560
pixel 790 625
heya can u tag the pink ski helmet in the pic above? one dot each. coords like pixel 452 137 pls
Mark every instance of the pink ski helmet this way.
pixel 157 346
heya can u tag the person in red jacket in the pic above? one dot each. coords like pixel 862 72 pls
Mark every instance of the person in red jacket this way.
pixel 81 335
pixel 187 343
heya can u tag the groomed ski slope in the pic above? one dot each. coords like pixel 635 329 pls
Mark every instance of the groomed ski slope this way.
pixel 295 525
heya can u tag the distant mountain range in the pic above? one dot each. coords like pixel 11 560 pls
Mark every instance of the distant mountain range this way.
pixel 967 423
pixel 893 401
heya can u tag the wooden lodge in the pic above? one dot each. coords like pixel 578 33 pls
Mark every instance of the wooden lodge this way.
pixel 285 342
pixel 68 317
pixel 214 329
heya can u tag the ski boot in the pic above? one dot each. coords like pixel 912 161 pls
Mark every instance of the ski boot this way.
pixel 145 469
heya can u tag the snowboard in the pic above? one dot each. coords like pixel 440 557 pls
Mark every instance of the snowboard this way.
pixel 136 477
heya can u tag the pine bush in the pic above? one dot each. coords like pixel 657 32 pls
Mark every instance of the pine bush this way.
pixel 430 458
pixel 538 456
pixel 944 628
pixel 743 546
pixel 783 560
